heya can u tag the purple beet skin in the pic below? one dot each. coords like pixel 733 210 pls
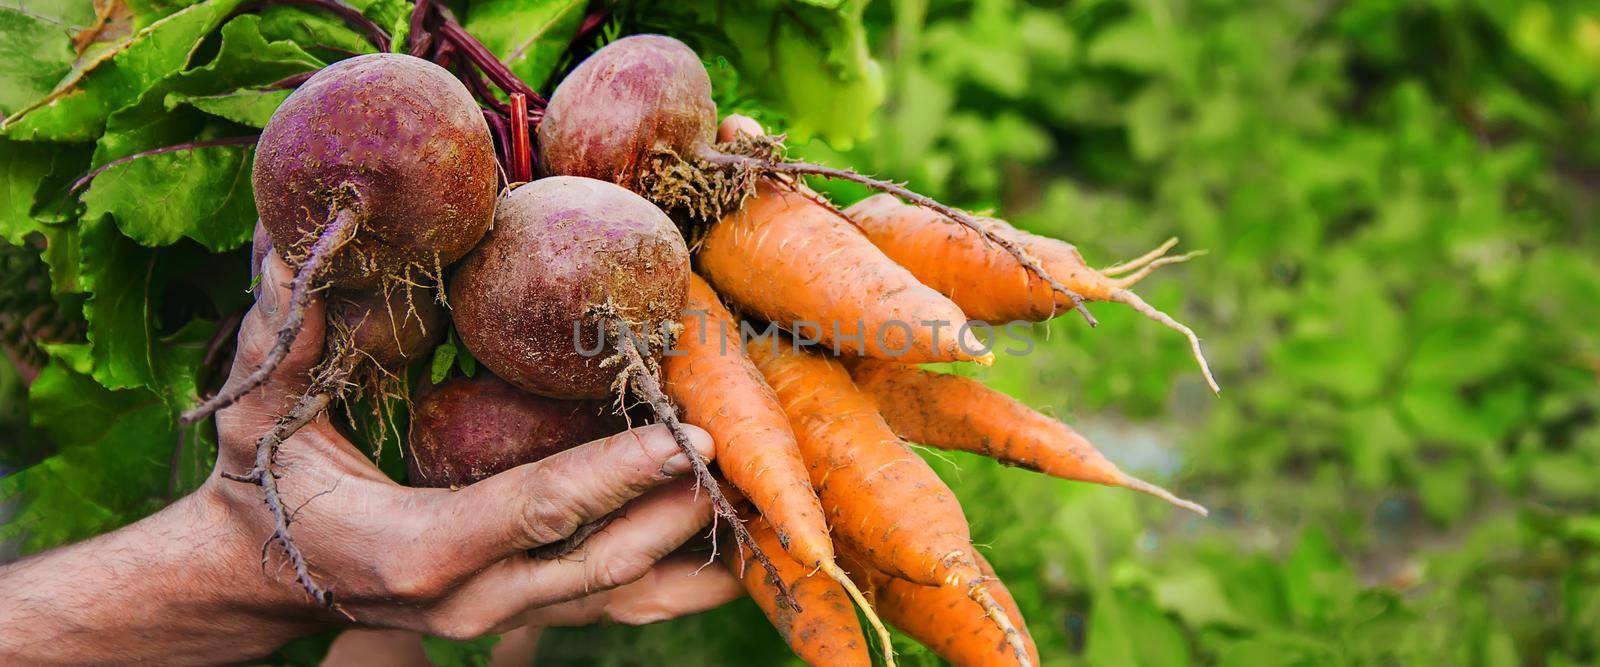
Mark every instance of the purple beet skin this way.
pixel 397 141
pixel 470 428
pixel 567 258
pixel 636 96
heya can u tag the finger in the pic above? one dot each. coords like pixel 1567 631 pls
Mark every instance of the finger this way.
pixel 260 245
pixel 543 502
pixel 677 586
pixel 626 549
pixel 737 124
pixel 257 334
pixel 623 552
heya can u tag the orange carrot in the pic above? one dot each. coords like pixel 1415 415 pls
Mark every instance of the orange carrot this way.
pixel 709 377
pixel 882 500
pixel 989 284
pixel 788 258
pixel 824 632
pixel 943 619
pixel 953 412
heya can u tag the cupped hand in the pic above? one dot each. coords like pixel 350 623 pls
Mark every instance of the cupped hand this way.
pixel 453 563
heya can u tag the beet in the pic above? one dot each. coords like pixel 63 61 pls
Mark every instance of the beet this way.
pixel 394 140
pixel 389 330
pixel 467 429
pixel 566 255
pixel 376 172
pixel 647 93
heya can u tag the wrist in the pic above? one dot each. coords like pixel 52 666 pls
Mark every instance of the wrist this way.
pixel 181 585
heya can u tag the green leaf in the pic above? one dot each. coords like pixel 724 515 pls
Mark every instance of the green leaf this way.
pixel 63 253
pixel 246 106
pixel 1126 629
pixel 22 167
pixel 245 60
pixel 202 193
pixel 448 653
pixel 118 275
pixel 127 287
pixel 111 465
pixel 319 33
pixel 34 54
pixel 444 359
pixel 1317 581
pixel 528 36
pixel 1195 595
pixel 807 59
pixel 1135 44
pixel 76 110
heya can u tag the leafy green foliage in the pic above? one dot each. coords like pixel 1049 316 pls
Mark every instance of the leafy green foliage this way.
pixel 530 37
pixel 447 653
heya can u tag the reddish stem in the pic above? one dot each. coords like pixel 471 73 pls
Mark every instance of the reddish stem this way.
pixel 502 142
pixel 419 37
pixel 480 56
pixel 521 152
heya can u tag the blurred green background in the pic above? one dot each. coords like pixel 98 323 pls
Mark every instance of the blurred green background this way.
pixel 1402 302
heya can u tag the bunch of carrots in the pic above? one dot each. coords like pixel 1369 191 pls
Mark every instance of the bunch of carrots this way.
pixel 813 427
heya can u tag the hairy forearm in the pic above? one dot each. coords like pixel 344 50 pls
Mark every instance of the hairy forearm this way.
pixel 167 589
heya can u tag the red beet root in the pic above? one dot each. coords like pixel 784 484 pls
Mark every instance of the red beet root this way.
pixel 467 429
pixel 376 172
pixel 395 141
pixel 649 93
pixel 568 259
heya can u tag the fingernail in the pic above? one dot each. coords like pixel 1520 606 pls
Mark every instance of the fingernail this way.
pixel 266 293
pixel 679 464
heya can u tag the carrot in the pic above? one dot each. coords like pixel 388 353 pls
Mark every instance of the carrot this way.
pixel 989 284
pixel 708 376
pixel 824 631
pixel 953 412
pixel 789 258
pixel 943 619
pixel 882 500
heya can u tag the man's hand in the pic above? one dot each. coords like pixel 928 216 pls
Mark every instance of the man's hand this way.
pixel 190 584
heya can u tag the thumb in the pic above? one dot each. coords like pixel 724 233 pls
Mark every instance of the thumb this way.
pixel 737 124
pixel 260 332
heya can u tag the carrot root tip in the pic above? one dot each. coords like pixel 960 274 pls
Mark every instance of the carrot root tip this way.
pixel 1002 620
pixel 837 574
pixel 1141 260
pixel 1129 298
pixel 1136 484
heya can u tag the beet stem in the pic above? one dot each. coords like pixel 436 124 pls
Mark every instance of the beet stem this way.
pixel 419 37
pixel 521 152
pixel 956 215
pixel 330 240
pixel 645 384
pixel 486 61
